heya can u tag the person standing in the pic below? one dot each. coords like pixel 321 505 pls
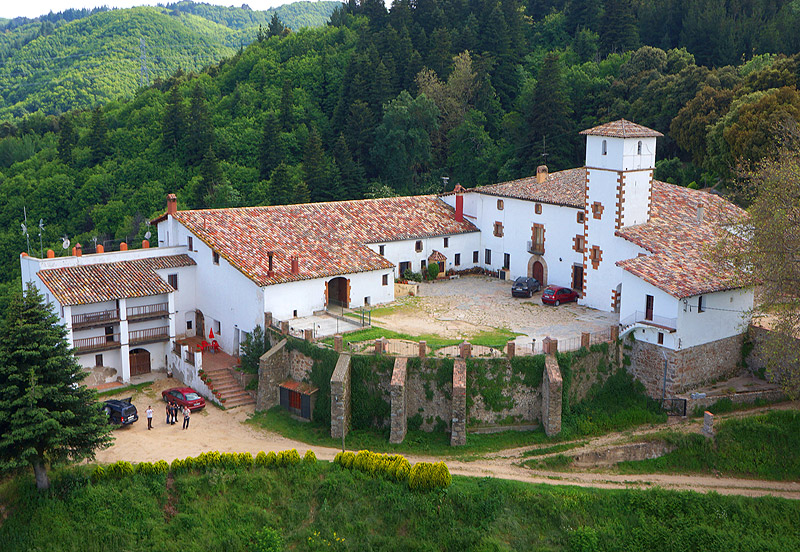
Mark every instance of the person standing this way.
pixel 173 411
pixel 168 409
pixel 186 414
pixel 149 413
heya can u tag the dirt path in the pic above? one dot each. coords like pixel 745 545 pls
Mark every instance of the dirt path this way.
pixel 226 431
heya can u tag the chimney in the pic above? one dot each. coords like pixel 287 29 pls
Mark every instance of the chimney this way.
pixel 541 174
pixel 123 246
pixel 270 271
pixel 145 244
pixel 78 250
pixel 172 204
pixel 101 249
pixel 699 214
pixel 459 203
pixel 51 254
pixel 295 265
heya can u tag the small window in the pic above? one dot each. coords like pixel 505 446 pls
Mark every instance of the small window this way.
pixel 475 257
pixel 500 204
pixel 418 246
pixel 217 327
pixel 488 256
pixel 660 334
pixel 385 281
pixel 597 210
pixel 506 260
pixel 447 242
pixel 498 229
pixel 639 148
pixel 457 259
pixel 580 217
pixel 294 313
pixel 580 243
pixel 422 265
pixel 188 324
pixel 366 301
pixel 172 279
pixel 604 148
pixel 700 306
pixel 382 249
pixel 215 257
pixel 190 243
pixel 98 360
pixel 537 208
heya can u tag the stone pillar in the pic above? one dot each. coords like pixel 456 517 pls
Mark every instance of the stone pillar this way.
pixel 285 327
pixel 398 397
pixel 551 396
pixel 423 349
pixel 465 350
pixel 549 346
pixel 708 424
pixel 585 339
pixel 267 321
pixel 340 397
pixel 308 334
pixel 511 349
pixel 273 369
pixel 458 417
pixel 338 343
pixel 614 332
pixel 379 348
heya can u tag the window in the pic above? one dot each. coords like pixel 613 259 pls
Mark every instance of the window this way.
pixel 597 210
pixel 506 260
pixel 648 307
pixel 475 257
pixel 447 242
pixel 172 279
pixel 385 281
pixel 418 246
pixel 403 266
pixel 700 307
pixel 580 243
pixel 366 301
pixel 660 334
pixel 537 239
pixel 639 148
pixel 190 243
pixel 188 324
pixel 537 208
pixel 217 327
pixel 382 249
pixel 580 217
pixel 595 256
pixel 422 265
pixel 98 360
pixel 488 257
pixel 500 205
pixel 498 229
pixel 294 313
pixel 457 259
pixel 604 150
pixel 215 257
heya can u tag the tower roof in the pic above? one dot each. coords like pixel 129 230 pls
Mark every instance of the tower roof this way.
pixel 622 129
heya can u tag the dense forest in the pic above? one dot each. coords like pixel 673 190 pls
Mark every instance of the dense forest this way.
pixel 385 102
pixel 79 58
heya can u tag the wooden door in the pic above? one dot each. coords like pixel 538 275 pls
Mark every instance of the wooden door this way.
pixel 577 278
pixel 538 272
pixel 140 362
pixel 648 308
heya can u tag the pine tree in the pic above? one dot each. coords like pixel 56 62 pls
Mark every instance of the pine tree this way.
pixel 98 137
pixel 201 129
pixel 67 139
pixel 618 33
pixel 174 124
pixel 351 174
pixel 281 185
pixel 317 173
pixel 276 27
pixel 287 106
pixel 46 416
pixel 271 150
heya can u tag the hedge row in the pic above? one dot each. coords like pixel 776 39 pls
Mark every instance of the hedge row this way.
pixel 203 461
pixel 424 476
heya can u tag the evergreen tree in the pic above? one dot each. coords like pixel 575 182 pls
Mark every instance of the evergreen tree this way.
pixel 67 139
pixel 287 106
pixel 201 129
pixel 276 27
pixel 351 174
pixel 271 150
pixel 281 185
pixel 46 416
pixel 618 33
pixel 98 137
pixel 211 174
pixel 582 14
pixel 317 173
pixel 174 124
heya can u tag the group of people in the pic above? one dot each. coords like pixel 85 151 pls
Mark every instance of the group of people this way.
pixel 172 411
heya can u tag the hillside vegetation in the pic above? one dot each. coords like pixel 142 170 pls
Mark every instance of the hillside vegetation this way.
pixel 322 506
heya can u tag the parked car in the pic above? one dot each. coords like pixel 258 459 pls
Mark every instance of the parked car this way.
pixel 525 287
pixel 184 396
pixel 120 411
pixel 555 295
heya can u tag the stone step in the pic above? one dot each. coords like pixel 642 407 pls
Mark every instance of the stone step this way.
pixel 233 403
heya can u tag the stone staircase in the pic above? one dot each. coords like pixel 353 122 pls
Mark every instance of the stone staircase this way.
pixel 222 380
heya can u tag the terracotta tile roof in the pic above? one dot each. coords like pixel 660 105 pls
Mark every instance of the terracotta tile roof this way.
pixel 560 188
pixel 622 129
pixel 679 263
pixel 95 283
pixel 327 238
pixel 299 386
pixel 436 257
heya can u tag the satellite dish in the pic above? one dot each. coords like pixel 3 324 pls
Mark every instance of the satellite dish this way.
pixel 147 235
pixel 24 229
pixel 66 243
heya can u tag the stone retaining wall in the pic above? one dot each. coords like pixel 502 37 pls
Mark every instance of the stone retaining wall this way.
pixel 340 397
pixel 273 368
pixel 551 396
pixel 398 401
pixel 458 419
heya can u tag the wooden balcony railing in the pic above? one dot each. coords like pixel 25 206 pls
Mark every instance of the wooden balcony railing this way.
pixel 148 335
pixel 536 248
pixel 156 310
pixel 99 318
pixel 99 343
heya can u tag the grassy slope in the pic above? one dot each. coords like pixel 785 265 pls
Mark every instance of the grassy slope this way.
pixel 223 510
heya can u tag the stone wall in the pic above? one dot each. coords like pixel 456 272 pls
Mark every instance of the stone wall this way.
pixel 525 401
pixel 746 397
pixel 273 368
pixel 340 397
pixel 458 418
pixel 594 368
pixel 426 398
pixel 398 398
pixel 551 396
pixel 299 366
pixel 686 368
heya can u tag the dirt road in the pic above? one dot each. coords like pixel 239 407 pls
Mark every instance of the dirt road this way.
pixel 225 431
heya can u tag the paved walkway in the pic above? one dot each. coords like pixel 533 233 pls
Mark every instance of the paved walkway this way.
pixel 324 325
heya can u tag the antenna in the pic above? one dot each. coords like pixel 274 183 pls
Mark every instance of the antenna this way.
pixel 544 148
pixel 41 229
pixel 445 180
pixel 143 76
pixel 94 239
pixel 65 242
pixel 25 228
pixel 147 235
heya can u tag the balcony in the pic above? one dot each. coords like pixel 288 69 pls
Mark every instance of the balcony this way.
pixel 143 312
pixel 535 248
pixel 99 343
pixel 90 319
pixel 150 335
pixel 661 322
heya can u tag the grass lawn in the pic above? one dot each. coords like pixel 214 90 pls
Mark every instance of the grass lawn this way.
pixel 496 338
pixel 766 446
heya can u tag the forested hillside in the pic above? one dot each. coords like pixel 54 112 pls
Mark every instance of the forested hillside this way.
pixel 383 102
pixel 78 58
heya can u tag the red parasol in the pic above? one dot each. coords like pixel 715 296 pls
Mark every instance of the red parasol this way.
pixel 211 333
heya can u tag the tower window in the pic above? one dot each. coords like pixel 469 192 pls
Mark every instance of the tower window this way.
pixel 604 150
pixel 639 148
pixel 499 204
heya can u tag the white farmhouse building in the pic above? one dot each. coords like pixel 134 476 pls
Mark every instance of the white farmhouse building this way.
pixel 625 242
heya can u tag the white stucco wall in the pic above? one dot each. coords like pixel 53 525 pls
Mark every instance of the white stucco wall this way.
pixel 621 153
pixel 727 313
pixel 405 251
pixel 634 298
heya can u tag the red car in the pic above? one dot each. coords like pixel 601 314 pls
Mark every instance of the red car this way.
pixel 184 396
pixel 555 295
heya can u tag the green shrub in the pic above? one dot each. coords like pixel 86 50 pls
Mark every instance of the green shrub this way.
pixel 98 473
pixel 415 422
pixel 261 459
pixel 272 459
pixel 310 457
pixel 144 468
pixel 268 540
pixel 425 476
pixel 583 539
pixel 287 458
pixel 245 460
pixel 119 469
pixel 177 466
pixel 433 270
pixel 161 467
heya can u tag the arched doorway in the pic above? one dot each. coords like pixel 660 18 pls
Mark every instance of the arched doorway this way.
pixel 140 362
pixel 537 268
pixel 337 292
pixel 199 323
